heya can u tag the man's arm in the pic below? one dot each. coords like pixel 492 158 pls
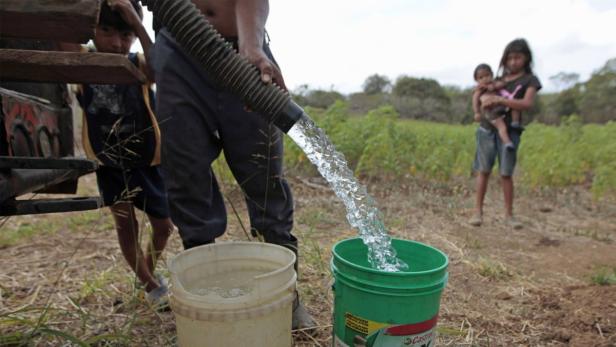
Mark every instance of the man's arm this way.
pixel 251 16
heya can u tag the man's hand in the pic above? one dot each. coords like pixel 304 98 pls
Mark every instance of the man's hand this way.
pixel 269 71
pixel 477 117
pixel 127 11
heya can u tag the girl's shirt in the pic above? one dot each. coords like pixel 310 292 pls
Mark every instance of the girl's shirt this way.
pixel 516 89
pixel 120 128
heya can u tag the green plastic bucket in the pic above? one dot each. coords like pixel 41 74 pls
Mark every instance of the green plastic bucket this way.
pixel 374 308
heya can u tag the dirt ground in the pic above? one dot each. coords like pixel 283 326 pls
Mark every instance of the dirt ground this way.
pixel 62 277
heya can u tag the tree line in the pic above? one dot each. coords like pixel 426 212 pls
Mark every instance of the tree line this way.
pixel 593 101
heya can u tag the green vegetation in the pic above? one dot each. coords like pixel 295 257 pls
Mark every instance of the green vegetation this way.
pixel 426 99
pixel 569 154
pixel 381 145
pixel 30 227
pixel 493 270
pixel 604 276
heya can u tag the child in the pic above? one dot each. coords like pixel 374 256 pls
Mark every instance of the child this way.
pixel 486 85
pixel 519 81
pixel 120 131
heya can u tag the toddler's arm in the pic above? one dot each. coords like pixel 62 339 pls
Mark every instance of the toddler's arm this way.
pixel 498 84
pixel 476 105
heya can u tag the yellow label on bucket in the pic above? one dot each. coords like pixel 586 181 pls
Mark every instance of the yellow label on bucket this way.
pixel 362 325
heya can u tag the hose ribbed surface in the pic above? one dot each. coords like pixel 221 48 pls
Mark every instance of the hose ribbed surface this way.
pixel 230 70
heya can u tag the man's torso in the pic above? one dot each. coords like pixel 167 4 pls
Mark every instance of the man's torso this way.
pixel 221 14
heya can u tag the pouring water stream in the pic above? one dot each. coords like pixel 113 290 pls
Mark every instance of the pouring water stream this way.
pixel 362 212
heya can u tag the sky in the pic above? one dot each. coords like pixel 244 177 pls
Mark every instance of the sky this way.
pixel 337 44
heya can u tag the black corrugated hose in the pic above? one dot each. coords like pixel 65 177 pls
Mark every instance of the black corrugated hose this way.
pixel 234 73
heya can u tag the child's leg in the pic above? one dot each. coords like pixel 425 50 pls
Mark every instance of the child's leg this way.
pixel 500 125
pixel 515 118
pixel 161 229
pixel 128 237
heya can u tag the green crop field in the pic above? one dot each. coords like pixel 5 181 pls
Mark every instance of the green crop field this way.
pixel 380 144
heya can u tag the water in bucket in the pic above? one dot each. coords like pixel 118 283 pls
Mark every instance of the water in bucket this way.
pixel 226 285
pixel 362 212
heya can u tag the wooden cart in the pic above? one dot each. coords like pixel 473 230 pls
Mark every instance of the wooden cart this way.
pixel 36 119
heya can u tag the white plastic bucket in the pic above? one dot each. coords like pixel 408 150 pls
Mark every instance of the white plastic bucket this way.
pixel 255 306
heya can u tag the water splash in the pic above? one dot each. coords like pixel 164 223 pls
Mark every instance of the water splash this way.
pixel 362 212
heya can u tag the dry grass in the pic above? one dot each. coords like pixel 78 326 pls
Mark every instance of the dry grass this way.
pixel 63 280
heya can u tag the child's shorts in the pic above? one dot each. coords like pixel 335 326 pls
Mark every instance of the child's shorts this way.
pixel 143 187
pixel 495 113
pixel 490 148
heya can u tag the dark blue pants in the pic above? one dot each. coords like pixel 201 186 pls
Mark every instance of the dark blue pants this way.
pixel 198 121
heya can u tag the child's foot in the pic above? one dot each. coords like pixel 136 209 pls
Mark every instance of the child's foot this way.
pixel 476 220
pixel 510 147
pixel 158 298
pixel 513 223
pixel 161 280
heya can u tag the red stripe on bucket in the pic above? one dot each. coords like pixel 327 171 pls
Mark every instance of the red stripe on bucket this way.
pixel 411 329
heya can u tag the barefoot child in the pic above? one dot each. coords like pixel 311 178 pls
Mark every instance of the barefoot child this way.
pixel 522 85
pixel 121 133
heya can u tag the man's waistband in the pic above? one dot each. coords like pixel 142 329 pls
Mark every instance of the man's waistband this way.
pixel 233 40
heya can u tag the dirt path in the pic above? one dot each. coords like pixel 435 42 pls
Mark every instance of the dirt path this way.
pixel 531 287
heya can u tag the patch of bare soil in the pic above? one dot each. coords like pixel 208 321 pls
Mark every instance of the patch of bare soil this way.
pixel 577 315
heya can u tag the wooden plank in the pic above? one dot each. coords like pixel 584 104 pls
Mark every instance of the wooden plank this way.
pixel 37 163
pixel 39 206
pixel 67 67
pixel 22 181
pixel 57 20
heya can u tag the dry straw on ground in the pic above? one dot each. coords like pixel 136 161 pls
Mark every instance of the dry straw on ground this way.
pixel 63 279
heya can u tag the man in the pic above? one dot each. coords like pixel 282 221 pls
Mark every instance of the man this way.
pixel 199 120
